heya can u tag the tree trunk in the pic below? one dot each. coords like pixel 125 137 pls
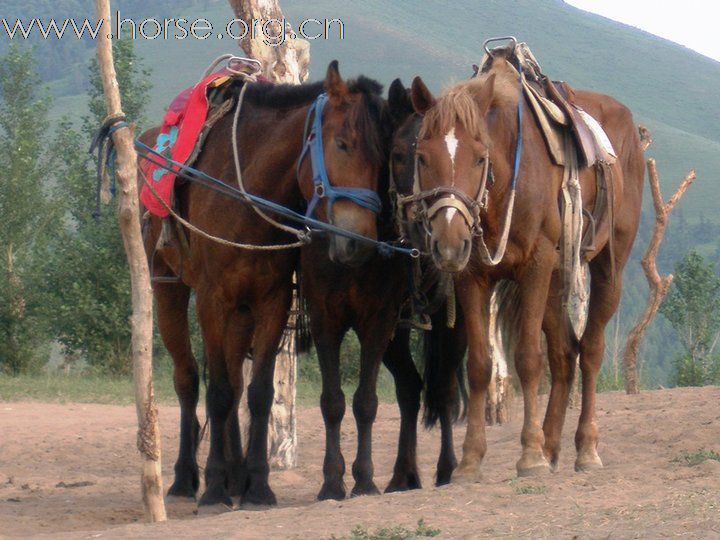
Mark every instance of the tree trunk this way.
pixel 497 406
pixel 285 63
pixel 288 62
pixel 658 285
pixel 148 438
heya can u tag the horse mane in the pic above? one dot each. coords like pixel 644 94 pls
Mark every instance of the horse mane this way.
pixel 458 103
pixel 370 117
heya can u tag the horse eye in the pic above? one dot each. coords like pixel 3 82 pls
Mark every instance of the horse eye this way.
pixel 421 161
pixel 342 145
pixel 398 156
pixel 480 162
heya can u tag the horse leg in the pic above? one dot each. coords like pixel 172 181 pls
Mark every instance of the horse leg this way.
pixel 172 315
pixel 534 283
pixel 374 338
pixel 604 299
pixel 220 396
pixel 272 315
pixel 238 339
pixel 332 404
pixel 474 297
pixel 408 386
pixel 450 345
pixel 563 349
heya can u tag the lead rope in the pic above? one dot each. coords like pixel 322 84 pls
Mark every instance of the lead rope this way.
pixel 302 235
pixel 488 259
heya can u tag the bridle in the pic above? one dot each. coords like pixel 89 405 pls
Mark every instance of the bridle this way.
pixel 470 208
pixel 323 189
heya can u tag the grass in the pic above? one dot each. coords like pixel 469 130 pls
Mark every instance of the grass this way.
pixel 84 388
pixel 520 488
pixel 696 458
pixel 398 532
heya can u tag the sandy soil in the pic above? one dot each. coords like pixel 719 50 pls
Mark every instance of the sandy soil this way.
pixel 71 471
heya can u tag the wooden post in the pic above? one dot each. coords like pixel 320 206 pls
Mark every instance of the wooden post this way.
pixel 497 409
pixel 148 439
pixel 658 285
pixel 285 63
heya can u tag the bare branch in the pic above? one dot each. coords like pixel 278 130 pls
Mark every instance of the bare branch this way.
pixel 659 286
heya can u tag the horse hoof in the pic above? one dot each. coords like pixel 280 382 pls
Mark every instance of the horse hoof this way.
pixel 365 488
pixel 216 498
pixel 588 462
pixel 214 509
pixel 259 494
pixel 331 492
pixel 532 466
pixel 466 476
pixel 174 499
pixel 175 494
pixel 404 482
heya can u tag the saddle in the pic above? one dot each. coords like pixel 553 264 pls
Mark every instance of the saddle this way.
pixel 574 140
pixel 554 107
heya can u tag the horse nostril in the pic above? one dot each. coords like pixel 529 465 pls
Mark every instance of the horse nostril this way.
pixel 350 247
pixel 436 250
pixel 466 248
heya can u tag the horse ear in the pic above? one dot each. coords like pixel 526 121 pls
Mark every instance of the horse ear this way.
pixel 422 98
pixel 484 94
pixel 476 70
pixel 399 102
pixel 334 84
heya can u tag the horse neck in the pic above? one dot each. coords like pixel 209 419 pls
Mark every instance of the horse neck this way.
pixel 273 139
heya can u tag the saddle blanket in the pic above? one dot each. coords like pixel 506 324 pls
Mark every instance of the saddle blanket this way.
pixel 183 127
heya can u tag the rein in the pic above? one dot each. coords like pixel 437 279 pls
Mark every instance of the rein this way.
pixel 323 189
pixel 313 145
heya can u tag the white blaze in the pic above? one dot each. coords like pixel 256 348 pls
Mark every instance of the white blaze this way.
pixel 450 213
pixel 452 143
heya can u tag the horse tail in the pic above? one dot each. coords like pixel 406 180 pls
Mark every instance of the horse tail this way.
pixel 443 376
pixel 507 302
pixel 303 337
pixel 462 387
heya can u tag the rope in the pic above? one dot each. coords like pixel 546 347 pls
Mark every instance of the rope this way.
pixel 208 236
pixel 238 169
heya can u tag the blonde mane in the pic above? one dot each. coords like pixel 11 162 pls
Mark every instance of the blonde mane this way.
pixel 458 103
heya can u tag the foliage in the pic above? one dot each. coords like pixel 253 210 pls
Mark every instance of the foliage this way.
pixel 88 281
pixel 693 308
pixel 696 458
pixel 27 214
pixel 395 533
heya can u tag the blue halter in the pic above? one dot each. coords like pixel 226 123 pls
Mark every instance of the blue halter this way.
pixel 364 197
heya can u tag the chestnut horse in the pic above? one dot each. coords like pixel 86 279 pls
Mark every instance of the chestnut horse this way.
pixel 470 129
pixel 243 296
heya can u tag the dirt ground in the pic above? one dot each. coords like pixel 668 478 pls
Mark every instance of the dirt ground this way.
pixel 71 471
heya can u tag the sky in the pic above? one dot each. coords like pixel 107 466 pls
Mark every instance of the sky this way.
pixel 692 23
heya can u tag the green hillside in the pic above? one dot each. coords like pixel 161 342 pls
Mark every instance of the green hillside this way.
pixel 669 87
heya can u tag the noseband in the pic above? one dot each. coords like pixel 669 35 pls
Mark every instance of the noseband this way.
pixel 468 207
pixel 367 198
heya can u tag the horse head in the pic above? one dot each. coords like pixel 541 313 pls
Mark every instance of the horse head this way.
pixel 463 166
pixel 346 139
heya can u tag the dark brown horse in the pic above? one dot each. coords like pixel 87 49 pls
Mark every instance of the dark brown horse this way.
pixel 473 127
pixel 443 348
pixel 366 297
pixel 370 298
pixel 243 296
